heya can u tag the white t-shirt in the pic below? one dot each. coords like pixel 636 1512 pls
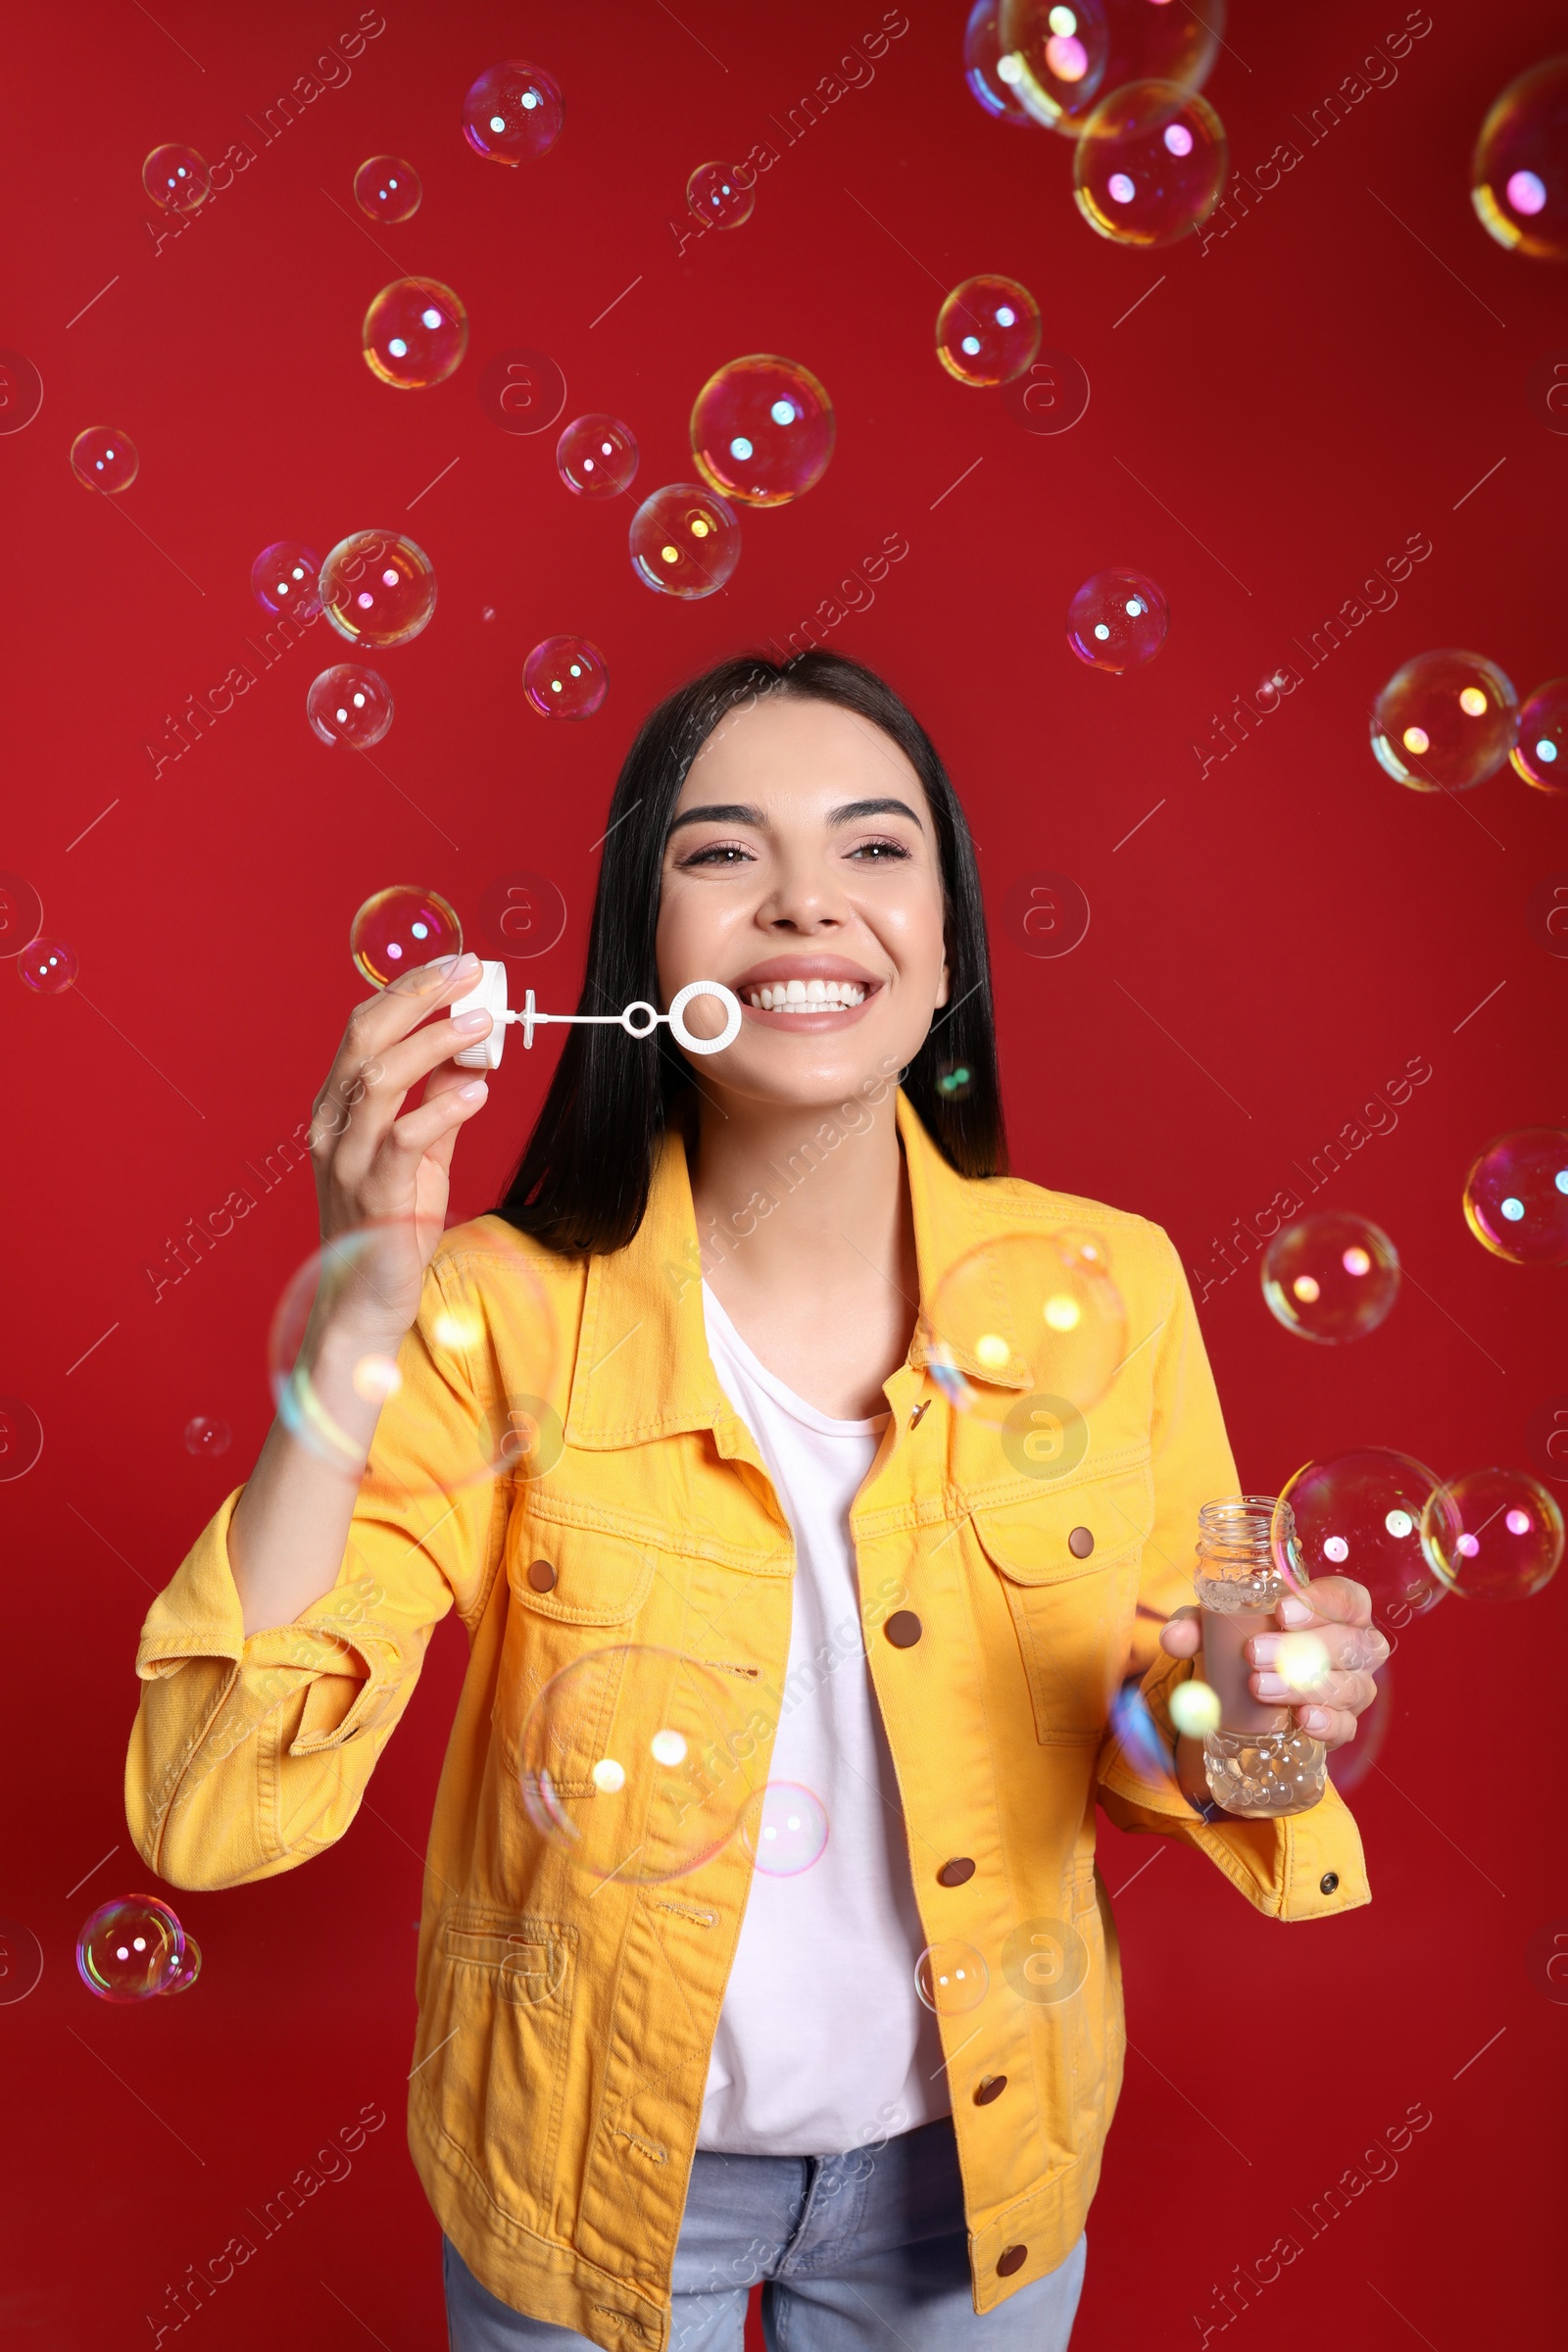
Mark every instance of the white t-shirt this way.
pixel 823 2044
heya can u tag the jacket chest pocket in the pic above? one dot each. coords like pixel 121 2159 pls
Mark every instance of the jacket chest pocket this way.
pixel 1068 1567
pixel 570 1589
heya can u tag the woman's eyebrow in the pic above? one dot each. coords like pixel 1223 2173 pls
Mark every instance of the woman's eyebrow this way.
pixel 852 811
pixel 738 812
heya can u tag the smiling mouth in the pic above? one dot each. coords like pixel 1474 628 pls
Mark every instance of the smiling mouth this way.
pixel 806 995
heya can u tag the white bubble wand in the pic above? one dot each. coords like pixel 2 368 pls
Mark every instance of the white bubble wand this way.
pixel 640 1020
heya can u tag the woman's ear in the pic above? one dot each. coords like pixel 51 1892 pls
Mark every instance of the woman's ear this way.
pixel 944 985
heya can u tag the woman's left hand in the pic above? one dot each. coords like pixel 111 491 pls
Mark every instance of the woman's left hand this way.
pixel 1320 1662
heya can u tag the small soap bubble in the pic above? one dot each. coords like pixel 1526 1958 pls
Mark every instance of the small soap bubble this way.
pixel 762 430
pixel 130 1948
pixel 1117 620
pixel 1516 1196
pixel 952 1978
pixel 378 588
pixel 990 76
pixel 1359 1515
pixel 206 1435
pixel 721 195
pixel 1193 1709
pixel 955 1080
pixel 1027 1314
pixel 566 678
pixel 190 1968
pixel 1331 1278
pixel 597 457
pixel 284 576
pixel 386 188
pixel 176 179
pixel 1519 171
pixel 784 1827
pixel 1151 165
pixel 988 330
pixel 104 459
pixel 1054 56
pixel 414 333
pixel 401 928
pixel 1493 1535
pixel 512 114
pixel 1138 1738
pixel 684 541
pixel 350 705
pixel 47 965
pixel 1541 748
pixel 1444 722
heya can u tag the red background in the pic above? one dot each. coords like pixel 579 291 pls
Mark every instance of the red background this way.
pixel 1304 394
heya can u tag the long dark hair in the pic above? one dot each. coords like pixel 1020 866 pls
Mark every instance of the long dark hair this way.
pixel 581 1185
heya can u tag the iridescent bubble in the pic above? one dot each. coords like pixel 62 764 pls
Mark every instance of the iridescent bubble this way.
pixel 1444 722
pixel 102 459
pixel 1350 1765
pixel 1151 165
pixel 206 1435
pixel 1054 56
pixel 952 1978
pixel 378 588
pixel 176 179
pixel 1331 1278
pixel 414 333
pixel 386 188
pixel 1195 1708
pixel 784 1827
pixel 512 114
pixel 47 965
pixel 597 457
pixel 1541 748
pixel 988 330
pixel 1117 620
pixel 955 1080
pixel 1140 1739
pixel 401 928
pixel 190 1968
pixel 283 579
pixel 762 430
pixel 721 195
pixel 1359 1515
pixel 1493 1535
pixel 1519 171
pixel 350 705
pixel 130 1948
pixel 1516 1196
pixel 566 678
pixel 1027 1314
pixel 684 541
pixel 990 76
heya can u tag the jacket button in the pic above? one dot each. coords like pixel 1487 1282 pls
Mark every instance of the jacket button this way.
pixel 1010 2259
pixel 1328 1881
pixel 903 1628
pixel 542 1576
pixel 988 2088
pixel 1081 1542
pixel 919 1413
pixel 955 1873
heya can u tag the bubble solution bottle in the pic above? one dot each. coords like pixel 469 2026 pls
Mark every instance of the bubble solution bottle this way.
pixel 1257 1763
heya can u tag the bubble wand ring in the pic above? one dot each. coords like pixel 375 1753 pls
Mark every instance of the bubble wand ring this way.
pixel 639 1019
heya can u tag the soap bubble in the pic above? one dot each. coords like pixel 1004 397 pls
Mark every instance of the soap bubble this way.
pixel 1541 748
pixel 1117 620
pixel 1151 165
pixel 952 1978
pixel 190 1968
pixel 955 1080
pixel 176 179
pixel 204 1434
pixel 102 458
pixel 47 965
pixel 1516 1196
pixel 401 928
pixel 990 76
pixel 512 114
pixel 1444 722
pixel 597 457
pixel 988 330
pixel 1027 1313
pixel 1054 56
pixel 378 588
pixel 1195 1708
pixel 1519 171
pixel 284 577
pixel 21 913
pixel 566 678
pixel 1138 1736
pixel 762 430
pixel 414 333
pixel 1359 1515
pixel 130 1949
pixel 784 1826
pixel 721 195
pixel 348 704
pixel 634 1763
pixel 1350 1765
pixel 1331 1277
pixel 684 541
pixel 386 188
pixel 1493 1535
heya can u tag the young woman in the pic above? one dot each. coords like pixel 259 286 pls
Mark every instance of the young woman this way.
pixel 666 1426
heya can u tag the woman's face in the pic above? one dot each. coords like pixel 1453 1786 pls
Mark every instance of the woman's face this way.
pixel 802 870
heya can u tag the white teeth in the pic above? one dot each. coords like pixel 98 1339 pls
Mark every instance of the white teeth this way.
pixel 804 994
pixel 817 993
pixel 795 992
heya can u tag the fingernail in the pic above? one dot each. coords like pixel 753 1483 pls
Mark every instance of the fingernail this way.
pixel 1296 1612
pixel 1271 1685
pixel 1265 1649
pixel 475 1093
pixel 471 1020
pixel 1315 1719
pixel 466 964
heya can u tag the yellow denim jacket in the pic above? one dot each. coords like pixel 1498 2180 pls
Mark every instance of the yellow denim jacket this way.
pixel 565 2025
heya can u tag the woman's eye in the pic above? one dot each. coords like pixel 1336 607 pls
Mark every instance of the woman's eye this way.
pixel 879 853
pixel 718 852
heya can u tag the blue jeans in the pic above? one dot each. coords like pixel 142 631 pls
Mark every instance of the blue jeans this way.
pixel 857 2253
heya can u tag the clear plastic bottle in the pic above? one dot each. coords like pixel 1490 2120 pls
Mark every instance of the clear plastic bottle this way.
pixel 1257 1763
